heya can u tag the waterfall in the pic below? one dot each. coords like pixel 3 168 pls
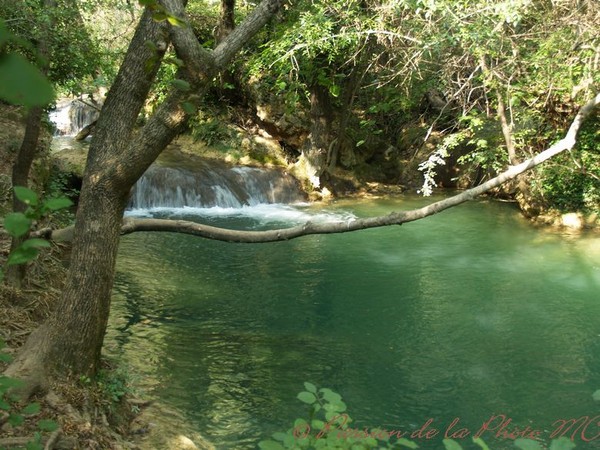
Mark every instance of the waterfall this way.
pixel 208 187
pixel 71 116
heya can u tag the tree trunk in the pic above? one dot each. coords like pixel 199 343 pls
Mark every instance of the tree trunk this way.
pixel 226 20
pixel 71 340
pixel 20 176
pixel 313 161
pixel 27 152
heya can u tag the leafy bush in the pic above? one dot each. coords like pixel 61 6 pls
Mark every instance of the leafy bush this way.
pixel 16 415
pixel 18 224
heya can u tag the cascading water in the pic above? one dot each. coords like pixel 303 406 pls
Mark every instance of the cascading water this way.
pixel 71 116
pixel 166 187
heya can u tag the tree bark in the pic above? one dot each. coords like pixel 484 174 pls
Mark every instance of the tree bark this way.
pixel 71 340
pixel 20 173
pixel 226 20
pixel 313 160
pixel 20 177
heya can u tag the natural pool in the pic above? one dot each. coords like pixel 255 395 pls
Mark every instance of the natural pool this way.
pixel 466 314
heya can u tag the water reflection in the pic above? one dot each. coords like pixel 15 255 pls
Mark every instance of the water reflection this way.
pixel 463 315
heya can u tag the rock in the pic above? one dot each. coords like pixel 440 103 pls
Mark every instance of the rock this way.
pixel 574 221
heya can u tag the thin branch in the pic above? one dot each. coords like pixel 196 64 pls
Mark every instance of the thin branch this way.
pixel 131 225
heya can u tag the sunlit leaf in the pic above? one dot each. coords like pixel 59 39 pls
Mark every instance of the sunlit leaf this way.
pixel 160 16
pixel 35 243
pixel 32 408
pixel 26 195
pixel 596 395
pixel 22 255
pixel 330 396
pixel 21 83
pixel 279 436
pixel 451 444
pixel 481 443
pixel 176 22
pixel 16 224
pixel 55 204
pixel 16 420
pixel 47 425
pixel 527 444
pixel 7 383
pixel 307 397
pixel 310 387
pixel 562 443
pixel 406 443
pixel 270 445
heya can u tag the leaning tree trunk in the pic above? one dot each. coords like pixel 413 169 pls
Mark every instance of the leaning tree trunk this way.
pixel 71 340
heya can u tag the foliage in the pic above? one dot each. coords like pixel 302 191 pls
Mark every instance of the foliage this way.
pixel 21 82
pixel 328 427
pixel 18 224
pixel 16 414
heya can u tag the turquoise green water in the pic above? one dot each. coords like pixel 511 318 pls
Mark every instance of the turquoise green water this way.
pixel 463 315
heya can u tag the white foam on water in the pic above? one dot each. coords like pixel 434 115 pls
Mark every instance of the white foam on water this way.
pixel 263 213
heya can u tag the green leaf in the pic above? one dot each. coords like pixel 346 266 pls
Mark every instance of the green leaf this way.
pixel 270 445
pixel 451 444
pixel 181 85
pixel 596 395
pixel 307 397
pixel 279 436
pixel 562 443
pixel 331 396
pixel 21 83
pixel 527 444
pixel 317 424
pixel 406 443
pixel 16 420
pixel 17 224
pixel 146 2
pixel 176 22
pixel 35 243
pixel 34 446
pixel 188 107
pixel 5 358
pixel 21 256
pixel 26 195
pixel 7 383
pixel 4 405
pixel 310 387
pixel 47 425
pixel 32 408
pixel 55 204
pixel 160 16
pixel 480 442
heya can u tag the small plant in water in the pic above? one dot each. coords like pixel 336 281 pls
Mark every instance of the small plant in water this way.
pixel 328 426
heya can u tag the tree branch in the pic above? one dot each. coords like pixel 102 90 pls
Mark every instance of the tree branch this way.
pixel 131 225
pixel 202 63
